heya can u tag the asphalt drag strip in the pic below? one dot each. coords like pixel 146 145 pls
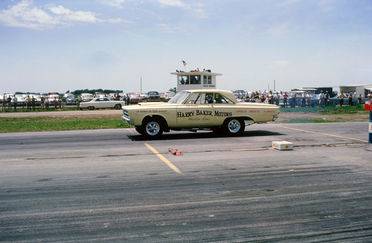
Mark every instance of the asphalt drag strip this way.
pixel 108 185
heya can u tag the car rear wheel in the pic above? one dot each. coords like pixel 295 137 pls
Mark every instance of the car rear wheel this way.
pixel 117 106
pixel 152 128
pixel 234 126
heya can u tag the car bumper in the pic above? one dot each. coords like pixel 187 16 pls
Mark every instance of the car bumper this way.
pixel 275 116
pixel 127 119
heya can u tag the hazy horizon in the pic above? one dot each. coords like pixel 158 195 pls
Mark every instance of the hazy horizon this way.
pixel 55 45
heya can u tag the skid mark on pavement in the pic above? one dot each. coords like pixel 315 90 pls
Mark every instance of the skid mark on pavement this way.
pixel 325 134
pixel 162 158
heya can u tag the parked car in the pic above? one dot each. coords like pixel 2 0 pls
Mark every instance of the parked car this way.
pixel 143 97
pixel 37 98
pixel 53 99
pixel 5 97
pixel 100 95
pixel 70 99
pixel 217 110
pixel 167 96
pixel 21 99
pixel 86 97
pixel 134 98
pixel 102 103
pixel 153 96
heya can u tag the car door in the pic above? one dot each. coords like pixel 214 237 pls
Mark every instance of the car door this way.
pixel 106 103
pixel 222 108
pixel 100 103
pixel 194 112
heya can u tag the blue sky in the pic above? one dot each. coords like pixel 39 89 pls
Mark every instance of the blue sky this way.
pixel 52 45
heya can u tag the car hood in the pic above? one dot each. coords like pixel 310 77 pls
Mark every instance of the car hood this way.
pixel 147 105
pixel 253 104
pixel 152 103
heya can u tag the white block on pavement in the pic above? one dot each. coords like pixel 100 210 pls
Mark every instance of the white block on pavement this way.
pixel 282 145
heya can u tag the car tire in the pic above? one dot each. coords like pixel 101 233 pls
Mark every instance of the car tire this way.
pixel 140 130
pixel 91 108
pixel 234 126
pixel 117 107
pixel 152 128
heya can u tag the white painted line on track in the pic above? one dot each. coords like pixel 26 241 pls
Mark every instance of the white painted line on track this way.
pixel 162 158
pixel 325 134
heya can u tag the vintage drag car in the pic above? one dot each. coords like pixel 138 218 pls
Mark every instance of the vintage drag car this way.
pixel 193 110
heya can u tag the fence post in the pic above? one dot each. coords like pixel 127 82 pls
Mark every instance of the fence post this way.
pixel 368 107
pixel 370 127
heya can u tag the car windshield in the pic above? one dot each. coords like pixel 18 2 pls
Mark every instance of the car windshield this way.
pixel 179 98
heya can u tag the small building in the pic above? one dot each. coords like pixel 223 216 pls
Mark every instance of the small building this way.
pixel 362 90
pixel 195 79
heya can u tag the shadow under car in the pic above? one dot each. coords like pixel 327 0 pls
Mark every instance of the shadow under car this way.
pixel 203 134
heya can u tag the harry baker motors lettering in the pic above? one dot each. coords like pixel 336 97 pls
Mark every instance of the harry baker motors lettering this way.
pixel 203 113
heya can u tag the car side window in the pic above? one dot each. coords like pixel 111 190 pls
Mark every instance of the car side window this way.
pixel 220 99
pixel 208 98
pixel 193 98
pixel 201 99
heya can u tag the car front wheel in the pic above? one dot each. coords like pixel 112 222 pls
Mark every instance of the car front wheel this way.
pixel 234 126
pixel 152 128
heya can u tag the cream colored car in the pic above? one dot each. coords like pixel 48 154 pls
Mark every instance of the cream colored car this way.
pixel 217 110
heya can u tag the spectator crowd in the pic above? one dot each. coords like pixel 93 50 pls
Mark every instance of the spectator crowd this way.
pixel 300 98
pixel 294 98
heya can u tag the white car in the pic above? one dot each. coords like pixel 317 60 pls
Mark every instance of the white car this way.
pixel 21 99
pixel 86 97
pixel 102 103
pixel 52 99
pixel 37 98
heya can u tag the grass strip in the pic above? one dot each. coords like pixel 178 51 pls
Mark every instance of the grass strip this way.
pixel 34 124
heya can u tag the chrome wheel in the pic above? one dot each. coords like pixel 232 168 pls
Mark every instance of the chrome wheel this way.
pixel 234 126
pixel 153 128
